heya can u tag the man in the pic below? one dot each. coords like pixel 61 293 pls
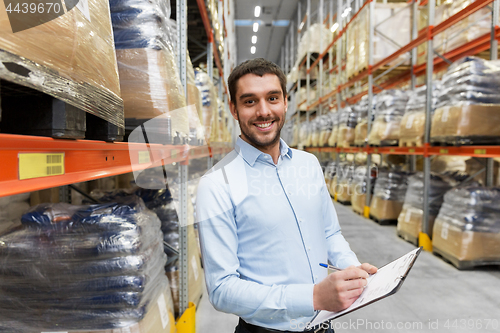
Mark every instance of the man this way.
pixel 267 220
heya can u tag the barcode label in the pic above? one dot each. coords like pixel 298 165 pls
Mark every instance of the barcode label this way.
pixel 54 159
pixel 54 170
pixel 38 165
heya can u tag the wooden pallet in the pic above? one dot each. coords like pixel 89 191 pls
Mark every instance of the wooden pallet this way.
pixel 407 237
pixel 462 264
pixel 386 143
pixel 411 143
pixel 383 222
pixel 29 111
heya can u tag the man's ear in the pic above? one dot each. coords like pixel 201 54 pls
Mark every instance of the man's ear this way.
pixel 286 104
pixel 232 108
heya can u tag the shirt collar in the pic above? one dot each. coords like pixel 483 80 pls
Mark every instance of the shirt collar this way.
pixel 251 154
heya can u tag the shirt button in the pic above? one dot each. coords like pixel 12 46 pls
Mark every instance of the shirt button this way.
pixel 308 249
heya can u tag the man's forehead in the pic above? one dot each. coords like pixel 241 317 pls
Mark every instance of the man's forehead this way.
pixel 244 83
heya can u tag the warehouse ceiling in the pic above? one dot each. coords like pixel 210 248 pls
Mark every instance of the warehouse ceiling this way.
pixel 270 37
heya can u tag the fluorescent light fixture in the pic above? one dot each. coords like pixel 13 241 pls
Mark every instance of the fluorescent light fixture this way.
pixel 301 25
pixel 253 49
pixel 255 27
pixel 334 27
pixel 254 39
pixel 346 12
pixel 257 11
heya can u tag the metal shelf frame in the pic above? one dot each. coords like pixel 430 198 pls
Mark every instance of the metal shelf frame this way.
pixel 364 83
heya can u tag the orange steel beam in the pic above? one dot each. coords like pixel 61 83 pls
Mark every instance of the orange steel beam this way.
pixel 470 9
pixel 84 160
pixel 302 23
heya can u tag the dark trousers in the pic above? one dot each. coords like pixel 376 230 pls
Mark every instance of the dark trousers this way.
pixel 241 329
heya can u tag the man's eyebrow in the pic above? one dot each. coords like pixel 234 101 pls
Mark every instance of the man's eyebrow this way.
pixel 274 92
pixel 246 95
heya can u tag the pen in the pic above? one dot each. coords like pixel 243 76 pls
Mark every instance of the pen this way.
pixel 331 267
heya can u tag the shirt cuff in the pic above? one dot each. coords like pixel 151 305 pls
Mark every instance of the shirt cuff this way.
pixel 299 300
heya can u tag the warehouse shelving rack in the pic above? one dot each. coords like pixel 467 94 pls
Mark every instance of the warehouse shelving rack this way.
pixel 344 93
pixel 86 160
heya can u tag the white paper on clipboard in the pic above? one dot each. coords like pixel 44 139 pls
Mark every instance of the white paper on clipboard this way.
pixel 385 282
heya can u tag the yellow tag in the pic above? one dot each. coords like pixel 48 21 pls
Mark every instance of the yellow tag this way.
pixel 192 152
pixel 480 151
pixel 393 150
pixel 443 151
pixel 144 157
pixel 36 165
pixel 375 150
pixel 411 150
pixel 174 153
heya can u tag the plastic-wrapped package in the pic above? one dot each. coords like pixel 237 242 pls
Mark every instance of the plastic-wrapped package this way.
pixel 345 174
pixel 147 64
pixel 310 41
pixel 359 186
pixel 467 228
pixel 325 128
pixel 386 17
pixel 390 108
pixel 79 67
pixel 315 132
pixel 413 122
pixel 466 30
pixel 330 171
pixel 410 220
pixel 347 123
pixel 468 110
pixel 209 101
pixel 81 267
pixel 332 140
pixel 388 196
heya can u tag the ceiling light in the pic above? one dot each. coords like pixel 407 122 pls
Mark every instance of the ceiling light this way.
pixel 254 39
pixel 334 27
pixel 255 27
pixel 346 12
pixel 253 49
pixel 257 11
pixel 301 25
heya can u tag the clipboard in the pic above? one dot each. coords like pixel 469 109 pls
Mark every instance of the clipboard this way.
pixel 386 282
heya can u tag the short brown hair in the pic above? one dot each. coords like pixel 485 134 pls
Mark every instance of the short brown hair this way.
pixel 258 66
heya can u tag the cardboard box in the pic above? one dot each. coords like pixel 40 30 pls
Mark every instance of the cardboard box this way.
pixel 466 120
pixel 385 209
pixel 77 46
pixel 361 133
pixel 358 201
pixel 412 128
pixel 333 186
pixel 410 222
pixel 343 191
pixel 345 136
pixel 151 87
pixel 465 245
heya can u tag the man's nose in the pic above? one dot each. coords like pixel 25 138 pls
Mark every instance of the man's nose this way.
pixel 264 109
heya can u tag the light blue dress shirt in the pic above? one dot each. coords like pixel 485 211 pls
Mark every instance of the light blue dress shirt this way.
pixel 264 229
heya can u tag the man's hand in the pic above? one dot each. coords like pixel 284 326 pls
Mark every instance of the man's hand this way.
pixel 370 269
pixel 340 289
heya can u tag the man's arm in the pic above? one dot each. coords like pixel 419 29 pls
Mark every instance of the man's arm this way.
pixel 228 292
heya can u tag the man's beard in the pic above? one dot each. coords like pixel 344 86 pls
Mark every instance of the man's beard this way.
pixel 254 140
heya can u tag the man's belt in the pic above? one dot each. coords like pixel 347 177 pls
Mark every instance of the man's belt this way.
pixel 258 329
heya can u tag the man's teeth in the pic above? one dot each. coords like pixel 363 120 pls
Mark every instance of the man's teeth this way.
pixel 264 125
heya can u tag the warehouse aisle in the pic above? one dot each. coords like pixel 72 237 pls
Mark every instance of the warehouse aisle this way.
pixel 436 297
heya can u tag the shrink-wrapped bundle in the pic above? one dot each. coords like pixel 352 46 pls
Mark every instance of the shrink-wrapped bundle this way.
pixel 347 124
pixel 389 111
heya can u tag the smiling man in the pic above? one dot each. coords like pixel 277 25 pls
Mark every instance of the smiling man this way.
pixel 267 220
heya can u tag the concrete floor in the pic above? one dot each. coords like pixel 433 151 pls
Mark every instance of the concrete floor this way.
pixel 436 297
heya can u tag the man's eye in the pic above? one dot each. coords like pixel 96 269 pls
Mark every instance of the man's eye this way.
pixel 273 99
pixel 249 101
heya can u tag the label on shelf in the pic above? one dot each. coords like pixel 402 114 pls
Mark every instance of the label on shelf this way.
pixel 443 151
pixel 174 153
pixel 411 150
pixel 144 157
pixel 162 306
pixel 38 165
pixel 480 151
